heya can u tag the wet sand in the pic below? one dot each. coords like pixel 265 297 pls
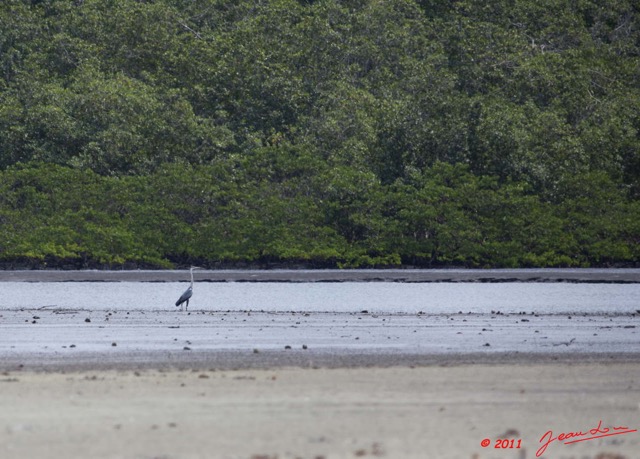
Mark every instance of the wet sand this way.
pixel 82 339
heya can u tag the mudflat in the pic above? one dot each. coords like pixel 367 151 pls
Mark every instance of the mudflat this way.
pixel 332 275
pixel 87 339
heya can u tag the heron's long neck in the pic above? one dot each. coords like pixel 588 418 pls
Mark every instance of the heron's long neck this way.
pixel 191 270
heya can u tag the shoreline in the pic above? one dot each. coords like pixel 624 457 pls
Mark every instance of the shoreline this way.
pixel 274 360
pixel 587 275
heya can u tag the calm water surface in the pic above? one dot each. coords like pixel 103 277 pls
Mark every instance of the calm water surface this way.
pixel 381 297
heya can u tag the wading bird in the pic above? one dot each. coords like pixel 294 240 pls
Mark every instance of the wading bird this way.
pixel 188 292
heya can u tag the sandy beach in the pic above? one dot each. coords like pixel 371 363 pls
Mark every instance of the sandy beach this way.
pixel 165 384
pixel 398 412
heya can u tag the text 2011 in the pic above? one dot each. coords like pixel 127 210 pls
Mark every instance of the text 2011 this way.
pixel 507 444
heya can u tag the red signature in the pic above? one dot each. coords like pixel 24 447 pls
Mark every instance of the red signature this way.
pixel 575 437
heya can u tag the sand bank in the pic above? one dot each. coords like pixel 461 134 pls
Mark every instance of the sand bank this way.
pixel 64 339
pixel 400 412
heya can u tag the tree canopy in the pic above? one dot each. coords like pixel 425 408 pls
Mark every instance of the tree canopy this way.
pixel 321 133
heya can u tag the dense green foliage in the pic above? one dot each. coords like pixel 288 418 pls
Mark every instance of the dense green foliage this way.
pixel 325 133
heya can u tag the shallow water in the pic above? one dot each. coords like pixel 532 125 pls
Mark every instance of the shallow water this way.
pixel 381 297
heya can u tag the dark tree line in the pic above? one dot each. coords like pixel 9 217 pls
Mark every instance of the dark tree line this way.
pixel 323 133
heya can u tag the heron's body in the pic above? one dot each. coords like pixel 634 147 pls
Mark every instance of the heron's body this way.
pixel 184 298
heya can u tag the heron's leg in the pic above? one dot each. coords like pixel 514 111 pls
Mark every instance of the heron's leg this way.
pixel 187 307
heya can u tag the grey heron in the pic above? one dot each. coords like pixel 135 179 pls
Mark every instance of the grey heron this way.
pixel 187 293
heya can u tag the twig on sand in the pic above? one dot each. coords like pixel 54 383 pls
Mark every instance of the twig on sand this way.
pixel 566 343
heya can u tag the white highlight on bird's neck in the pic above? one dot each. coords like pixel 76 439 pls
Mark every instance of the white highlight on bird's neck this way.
pixel 191 271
